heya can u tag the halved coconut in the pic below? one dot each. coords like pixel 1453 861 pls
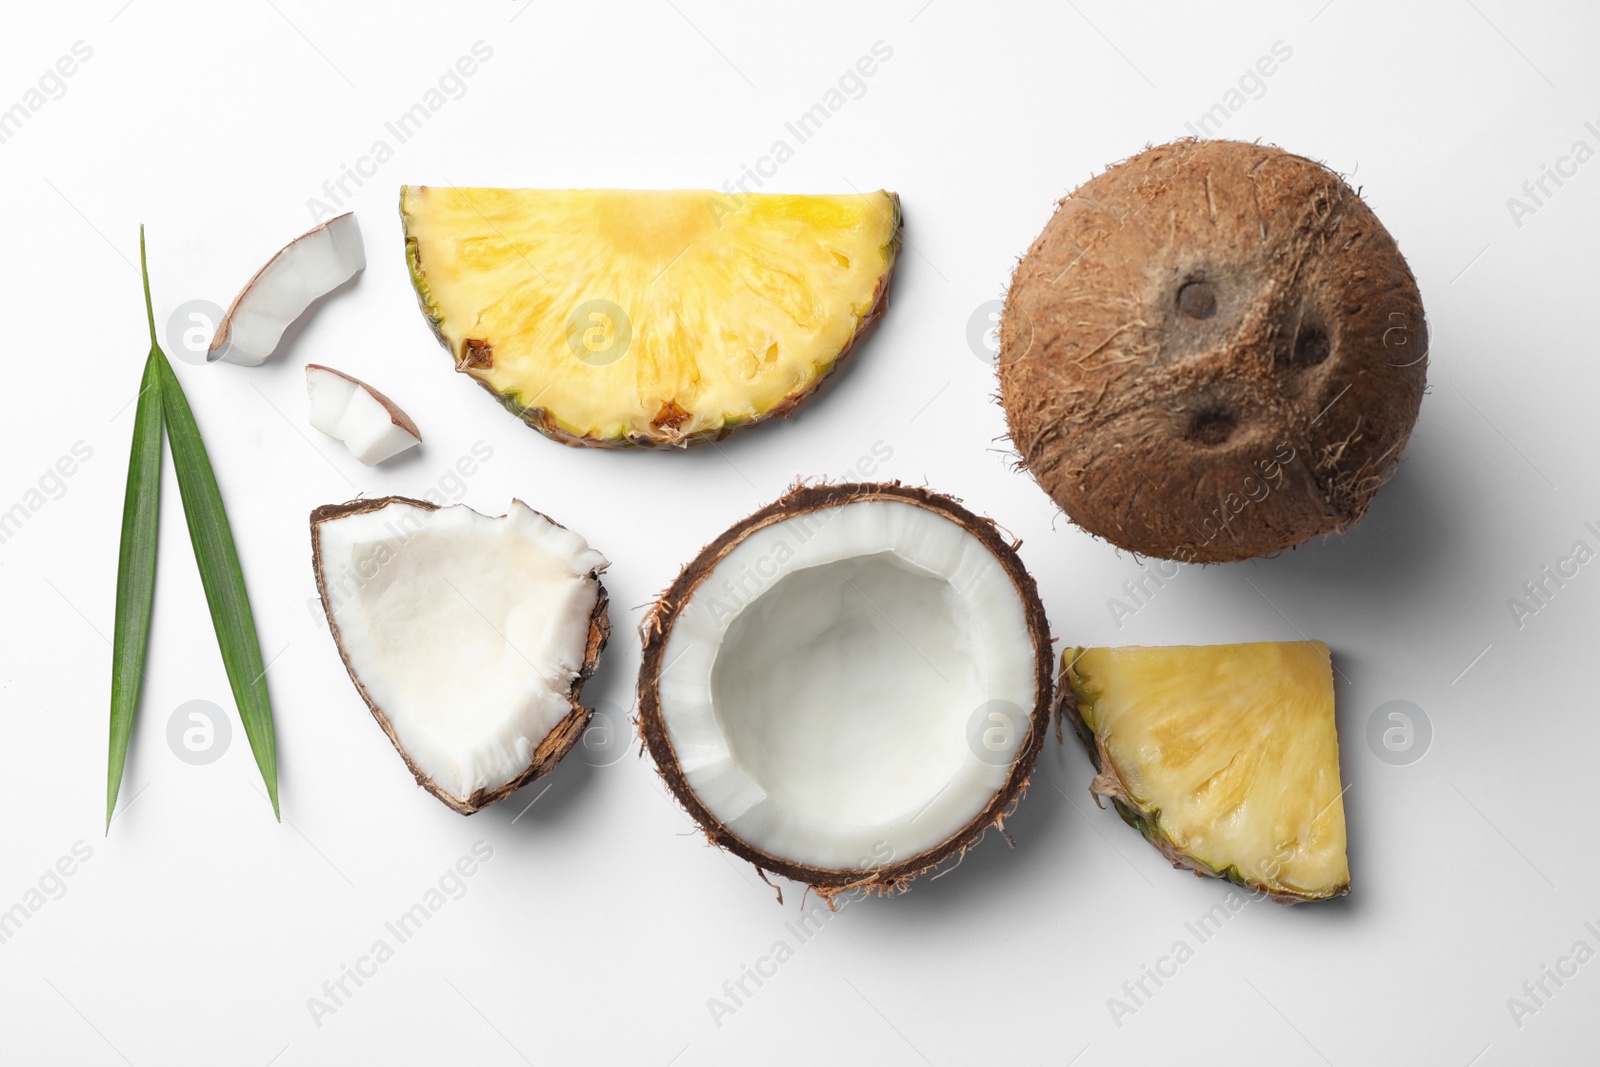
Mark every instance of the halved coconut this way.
pixel 468 636
pixel 310 266
pixel 849 686
pixel 349 410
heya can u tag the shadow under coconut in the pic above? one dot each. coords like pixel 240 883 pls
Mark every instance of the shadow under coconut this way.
pixel 607 740
pixel 405 461
pixel 1039 827
pixel 1398 550
pixel 551 799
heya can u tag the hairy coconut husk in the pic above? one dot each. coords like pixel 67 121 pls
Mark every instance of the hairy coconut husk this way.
pixel 1213 351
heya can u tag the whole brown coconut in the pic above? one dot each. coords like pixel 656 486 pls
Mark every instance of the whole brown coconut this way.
pixel 1213 351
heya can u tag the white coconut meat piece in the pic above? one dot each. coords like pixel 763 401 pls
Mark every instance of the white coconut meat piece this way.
pixel 349 410
pixel 848 688
pixel 310 266
pixel 465 633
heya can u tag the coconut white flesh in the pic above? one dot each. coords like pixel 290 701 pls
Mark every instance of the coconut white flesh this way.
pixel 352 412
pixel 820 686
pixel 310 266
pixel 466 631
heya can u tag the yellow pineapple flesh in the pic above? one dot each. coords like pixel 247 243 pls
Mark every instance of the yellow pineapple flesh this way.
pixel 658 318
pixel 1225 757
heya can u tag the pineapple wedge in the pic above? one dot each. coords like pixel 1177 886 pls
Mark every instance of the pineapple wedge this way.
pixel 1224 756
pixel 615 318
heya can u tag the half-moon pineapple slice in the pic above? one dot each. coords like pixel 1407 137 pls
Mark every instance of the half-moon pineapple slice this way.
pixel 661 318
pixel 1224 756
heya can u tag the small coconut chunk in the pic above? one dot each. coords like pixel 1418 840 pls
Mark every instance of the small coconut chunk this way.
pixel 468 636
pixel 371 425
pixel 310 266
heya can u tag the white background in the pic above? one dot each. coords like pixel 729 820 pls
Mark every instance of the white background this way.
pixel 197 931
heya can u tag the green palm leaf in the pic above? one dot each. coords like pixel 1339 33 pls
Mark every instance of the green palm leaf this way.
pixel 222 578
pixel 136 562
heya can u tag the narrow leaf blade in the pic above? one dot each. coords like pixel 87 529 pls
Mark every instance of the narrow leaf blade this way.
pixel 136 572
pixel 221 576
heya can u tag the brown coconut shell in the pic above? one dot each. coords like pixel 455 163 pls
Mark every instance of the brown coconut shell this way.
pixel 799 500
pixel 555 745
pixel 1213 351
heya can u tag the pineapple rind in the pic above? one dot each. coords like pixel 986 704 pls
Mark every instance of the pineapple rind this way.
pixel 1076 699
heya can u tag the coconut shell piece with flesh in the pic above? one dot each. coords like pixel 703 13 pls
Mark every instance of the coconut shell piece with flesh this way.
pixel 352 412
pixel 1214 351
pixel 850 686
pixel 511 671
pixel 307 268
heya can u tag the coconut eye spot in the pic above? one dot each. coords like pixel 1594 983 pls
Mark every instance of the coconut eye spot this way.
pixel 1197 300
pixel 1212 427
pixel 1311 346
